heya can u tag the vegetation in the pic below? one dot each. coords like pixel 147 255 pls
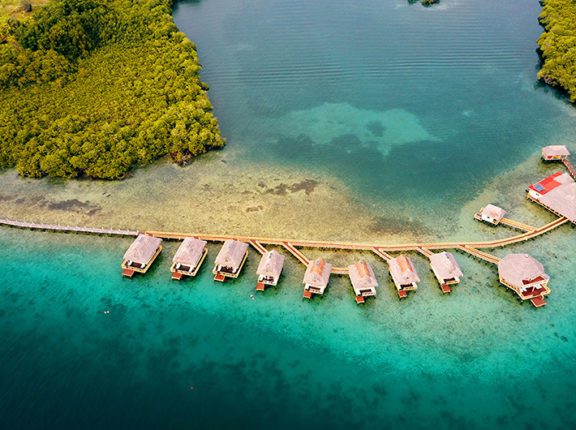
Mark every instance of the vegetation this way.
pixel 426 3
pixel 18 9
pixel 558 45
pixel 96 87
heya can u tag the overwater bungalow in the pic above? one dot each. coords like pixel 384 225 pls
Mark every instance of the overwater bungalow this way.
pixel 404 275
pixel 525 276
pixel 490 214
pixel 446 270
pixel 141 254
pixel 363 280
pixel 269 269
pixel 316 277
pixel 555 152
pixel 557 193
pixel 189 257
pixel 230 260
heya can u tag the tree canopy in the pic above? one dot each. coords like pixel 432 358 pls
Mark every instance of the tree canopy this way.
pixel 558 45
pixel 96 87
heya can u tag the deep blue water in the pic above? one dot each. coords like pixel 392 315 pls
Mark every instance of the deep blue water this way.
pixel 400 102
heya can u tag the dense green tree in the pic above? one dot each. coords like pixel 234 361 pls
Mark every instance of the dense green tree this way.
pixel 96 87
pixel 558 45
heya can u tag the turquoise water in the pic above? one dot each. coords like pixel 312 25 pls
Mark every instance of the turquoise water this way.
pixel 83 348
pixel 384 97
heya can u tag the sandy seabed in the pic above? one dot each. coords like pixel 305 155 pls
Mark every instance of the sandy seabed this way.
pixel 218 194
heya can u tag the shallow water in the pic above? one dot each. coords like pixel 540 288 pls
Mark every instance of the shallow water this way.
pixel 369 121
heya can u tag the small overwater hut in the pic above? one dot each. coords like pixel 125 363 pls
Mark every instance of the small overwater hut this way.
pixel 269 269
pixel 141 254
pixel 491 214
pixel 555 152
pixel 316 277
pixel 230 260
pixel 189 257
pixel 363 280
pixel 404 275
pixel 446 270
pixel 525 276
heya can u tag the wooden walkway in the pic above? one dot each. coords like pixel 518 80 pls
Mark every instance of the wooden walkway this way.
pixel 425 248
pixel 570 167
pixel 258 246
pixel 67 228
pixel 373 247
pixel 425 252
pixel 517 224
pixel 480 254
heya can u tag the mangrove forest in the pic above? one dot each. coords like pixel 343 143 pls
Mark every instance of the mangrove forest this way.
pixel 96 87
pixel 558 45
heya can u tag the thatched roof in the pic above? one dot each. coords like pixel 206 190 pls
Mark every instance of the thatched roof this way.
pixel 318 273
pixel 520 270
pixel 445 265
pixel 190 252
pixel 142 249
pixel 555 151
pixel 362 276
pixel 231 254
pixel 403 270
pixel 271 265
pixel 494 212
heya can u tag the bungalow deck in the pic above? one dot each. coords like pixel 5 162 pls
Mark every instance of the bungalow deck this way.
pixel 221 276
pixel 179 274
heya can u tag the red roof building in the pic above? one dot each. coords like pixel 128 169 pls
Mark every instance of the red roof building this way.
pixel 546 185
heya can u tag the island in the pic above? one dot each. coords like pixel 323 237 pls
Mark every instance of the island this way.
pixel 93 88
pixel 426 3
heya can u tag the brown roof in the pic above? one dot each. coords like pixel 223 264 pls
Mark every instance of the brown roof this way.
pixel 142 249
pixel 318 273
pixel 362 276
pixel 555 150
pixel 271 264
pixel 445 265
pixel 402 270
pixel 520 270
pixel 231 254
pixel 190 252
pixel 493 211
pixel 562 198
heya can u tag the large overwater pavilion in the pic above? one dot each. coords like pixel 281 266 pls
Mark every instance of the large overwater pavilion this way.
pixel 230 260
pixel 316 277
pixel 269 269
pixel 363 280
pixel 140 255
pixel 557 193
pixel 525 276
pixel 446 270
pixel 189 257
pixel 404 275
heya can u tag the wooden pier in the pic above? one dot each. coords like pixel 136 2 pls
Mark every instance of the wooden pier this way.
pixel 517 225
pixel 479 254
pixel 570 167
pixel 472 248
pixel 67 228
pixel 257 246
